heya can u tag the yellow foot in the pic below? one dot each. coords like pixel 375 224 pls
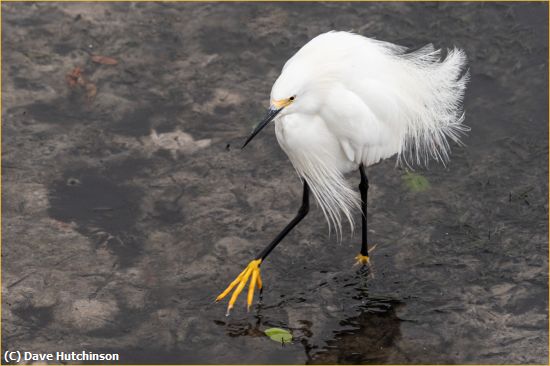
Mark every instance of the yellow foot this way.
pixel 362 259
pixel 251 271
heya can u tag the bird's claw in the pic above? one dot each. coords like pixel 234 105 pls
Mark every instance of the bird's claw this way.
pixel 251 271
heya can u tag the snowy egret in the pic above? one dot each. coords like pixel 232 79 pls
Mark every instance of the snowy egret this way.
pixel 344 102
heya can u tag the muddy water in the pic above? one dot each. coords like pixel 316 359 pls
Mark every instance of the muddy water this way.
pixel 117 238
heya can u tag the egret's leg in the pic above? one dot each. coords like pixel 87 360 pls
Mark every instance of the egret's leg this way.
pixel 252 271
pixel 363 256
pixel 302 212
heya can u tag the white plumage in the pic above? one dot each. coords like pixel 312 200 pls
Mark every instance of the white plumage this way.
pixel 354 100
pixel 344 102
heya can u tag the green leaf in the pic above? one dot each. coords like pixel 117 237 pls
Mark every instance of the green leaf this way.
pixel 279 335
pixel 415 182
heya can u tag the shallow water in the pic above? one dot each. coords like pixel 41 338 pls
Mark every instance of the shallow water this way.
pixel 117 240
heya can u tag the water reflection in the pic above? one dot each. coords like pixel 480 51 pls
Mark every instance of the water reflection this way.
pixel 367 335
pixel 377 329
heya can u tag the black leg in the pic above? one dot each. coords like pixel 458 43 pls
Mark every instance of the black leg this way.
pixel 364 188
pixel 302 212
pixel 252 271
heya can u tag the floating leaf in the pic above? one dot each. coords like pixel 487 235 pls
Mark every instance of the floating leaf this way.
pixel 279 335
pixel 415 182
pixel 104 60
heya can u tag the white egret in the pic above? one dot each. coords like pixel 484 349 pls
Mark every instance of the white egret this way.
pixel 344 102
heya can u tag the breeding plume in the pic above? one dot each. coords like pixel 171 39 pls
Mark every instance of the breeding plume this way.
pixel 344 102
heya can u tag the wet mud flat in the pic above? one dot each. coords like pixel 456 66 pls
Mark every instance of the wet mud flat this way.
pixel 128 206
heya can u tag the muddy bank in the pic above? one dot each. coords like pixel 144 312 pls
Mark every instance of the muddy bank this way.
pixel 127 205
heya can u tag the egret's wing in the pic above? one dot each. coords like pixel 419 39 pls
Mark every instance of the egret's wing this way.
pixel 363 132
pixel 411 102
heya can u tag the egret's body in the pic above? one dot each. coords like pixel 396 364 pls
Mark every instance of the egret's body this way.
pixel 344 102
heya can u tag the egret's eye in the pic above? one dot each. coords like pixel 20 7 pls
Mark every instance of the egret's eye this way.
pixel 291 98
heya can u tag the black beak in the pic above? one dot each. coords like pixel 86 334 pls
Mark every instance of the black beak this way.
pixel 271 114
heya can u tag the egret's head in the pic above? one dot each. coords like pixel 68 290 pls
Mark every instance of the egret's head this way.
pixel 287 96
pixel 285 91
pixel 276 107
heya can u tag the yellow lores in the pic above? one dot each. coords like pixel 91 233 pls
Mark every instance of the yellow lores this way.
pixel 282 102
pixel 253 269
